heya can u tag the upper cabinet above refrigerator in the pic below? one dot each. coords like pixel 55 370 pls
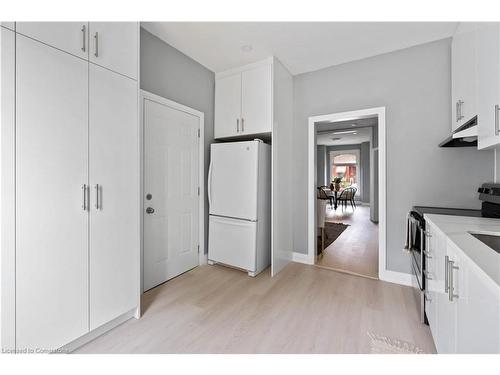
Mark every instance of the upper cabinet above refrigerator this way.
pixel 112 45
pixel 244 100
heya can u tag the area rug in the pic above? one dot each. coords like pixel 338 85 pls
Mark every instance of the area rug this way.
pixel 332 232
pixel 386 345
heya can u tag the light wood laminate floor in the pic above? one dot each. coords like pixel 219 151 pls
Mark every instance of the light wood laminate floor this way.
pixel 304 309
pixel 356 249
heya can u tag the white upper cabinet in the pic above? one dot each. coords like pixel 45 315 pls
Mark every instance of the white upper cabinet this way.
pixel 256 100
pixel 227 106
pixel 114 45
pixel 488 86
pixel 9 25
pixel 463 75
pixel 244 101
pixel 71 37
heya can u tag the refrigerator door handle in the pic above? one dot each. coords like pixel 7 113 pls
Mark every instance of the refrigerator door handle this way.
pixel 209 184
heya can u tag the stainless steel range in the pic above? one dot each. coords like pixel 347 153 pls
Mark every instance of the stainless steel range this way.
pixel 489 194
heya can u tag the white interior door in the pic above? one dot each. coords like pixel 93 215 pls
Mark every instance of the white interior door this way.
pixel 70 37
pixel 51 224
pixel 233 179
pixel 115 212
pixel 114 45
pixel 171 169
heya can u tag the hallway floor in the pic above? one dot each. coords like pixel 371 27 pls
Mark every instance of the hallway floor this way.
pixel 356 249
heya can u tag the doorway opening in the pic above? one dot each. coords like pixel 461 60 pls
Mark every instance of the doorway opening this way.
pixel 346 192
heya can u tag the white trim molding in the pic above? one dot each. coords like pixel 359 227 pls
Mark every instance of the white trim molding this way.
pixel 384 274
pixel 301 258
pixel 145 95
pixel 397 278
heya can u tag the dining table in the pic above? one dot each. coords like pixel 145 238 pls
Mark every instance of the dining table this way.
pixel 333 195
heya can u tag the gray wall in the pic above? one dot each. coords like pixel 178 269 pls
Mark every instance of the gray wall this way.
pixel 365 172
pixel 169 73
pixel 322 163
pixel 414 86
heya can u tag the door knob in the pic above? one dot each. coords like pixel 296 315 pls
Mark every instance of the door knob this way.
pixel 150 210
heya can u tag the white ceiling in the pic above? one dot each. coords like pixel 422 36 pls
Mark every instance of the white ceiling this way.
pixel 362 135
pixel 300 46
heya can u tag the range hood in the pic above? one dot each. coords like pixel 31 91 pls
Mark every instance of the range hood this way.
pixel 464 136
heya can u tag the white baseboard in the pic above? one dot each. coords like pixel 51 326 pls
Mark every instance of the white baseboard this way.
pixel 301 258
pixel 396 277
pixel 92 335
pixel 202 259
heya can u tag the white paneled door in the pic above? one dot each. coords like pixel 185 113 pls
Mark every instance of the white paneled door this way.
pixel 114 195
pixel 171 217
pixel 51 220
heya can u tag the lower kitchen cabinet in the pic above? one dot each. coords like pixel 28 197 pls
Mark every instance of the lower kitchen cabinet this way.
pixel 478 309
pixel 463 304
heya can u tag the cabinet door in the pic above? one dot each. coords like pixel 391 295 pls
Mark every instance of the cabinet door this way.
pixel 256 100
pixel 432 282
pixel 114 179
pixel 488 72
pixel 445 339
pixel 478 310
pixel 114 45
pixel 463 74
pixel 51 224
pixel 227 106
pixel 9 25
pixel 71 37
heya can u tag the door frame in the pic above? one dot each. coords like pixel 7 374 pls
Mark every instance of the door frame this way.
pixel 145 95
pixel 383 273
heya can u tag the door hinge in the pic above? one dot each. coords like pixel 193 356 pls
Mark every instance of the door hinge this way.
pixel 198 132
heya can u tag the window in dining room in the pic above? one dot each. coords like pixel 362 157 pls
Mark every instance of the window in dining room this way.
pixel 345 167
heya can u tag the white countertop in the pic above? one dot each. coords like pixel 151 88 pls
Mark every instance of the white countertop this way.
pixel 457 229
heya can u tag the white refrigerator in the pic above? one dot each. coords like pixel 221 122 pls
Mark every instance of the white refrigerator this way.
pixel 239 196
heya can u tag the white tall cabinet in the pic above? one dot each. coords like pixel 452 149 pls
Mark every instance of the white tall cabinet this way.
pixel 77 233
pixel 51 167
pixel 256 100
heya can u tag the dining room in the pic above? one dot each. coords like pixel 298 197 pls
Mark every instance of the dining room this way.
pixel 347 212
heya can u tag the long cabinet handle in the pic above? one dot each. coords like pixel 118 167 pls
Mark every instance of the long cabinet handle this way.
pixel 96 37
pixel 497 129
pixel 84 197
pixel 456 112
pixel 97 197
pixel 83 38
pixel 451 287
pixel 237 125
pixel 446 273
pixel 242 124
pixel 460 116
